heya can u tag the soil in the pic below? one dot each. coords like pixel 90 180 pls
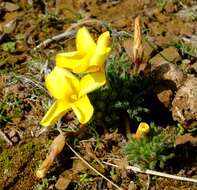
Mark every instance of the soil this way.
pixel 167 26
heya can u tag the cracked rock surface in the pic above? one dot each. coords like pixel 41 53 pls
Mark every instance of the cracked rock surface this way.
pixel 184 104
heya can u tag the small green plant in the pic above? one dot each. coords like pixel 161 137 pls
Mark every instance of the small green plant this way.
pixel 85 178
pixel 193 16
pixel 186 48
pixel 8 46
pixel 151 151
pixel 5 160
pixel 10 107
pixel 124 93
pixel 45 183
pixel 161 3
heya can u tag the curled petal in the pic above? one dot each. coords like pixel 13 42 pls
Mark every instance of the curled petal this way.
pixel 91 82
pixel 56 111
pixel 84 41
pixel 89 56
pixel 64 59
pixel 61 83
pixel 83 109
pixel 98 59
pixel 103 42
pixel 101 52
pixel 73 60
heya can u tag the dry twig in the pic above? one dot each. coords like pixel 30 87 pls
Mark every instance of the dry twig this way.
pixel 152 172
pixel 83 160
pixel 68 33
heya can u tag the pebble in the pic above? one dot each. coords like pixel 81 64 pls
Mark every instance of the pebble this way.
pixel 12 133
pixel 11 6
pixel 62 183
pixel 15 139
pixel 184 105
pixel 186 61
pixel 169 54
pixel 132 186
pixel 193 68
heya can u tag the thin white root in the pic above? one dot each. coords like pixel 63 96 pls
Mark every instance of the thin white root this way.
pixel 96 171
pixel 148 182
pixel 152 172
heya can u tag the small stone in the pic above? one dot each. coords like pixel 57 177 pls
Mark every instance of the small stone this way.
pixel 9 26
pixel 186 61
pixel 156 28
pixel 169 54
pixel 193 68
pixel 132 186
pixel 187 30
pixel 167 72
pixel 116 178
pixel 170 7
pixel 164 69
pixel 184 66
pixel 164 94
pixel 174 26
pixel 12 133
pixel 184 105
pixel 79 166
pixel 11 6
pixel 15 139
pixel 62 183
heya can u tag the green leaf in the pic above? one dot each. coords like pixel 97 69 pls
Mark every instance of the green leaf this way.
pixel 8 46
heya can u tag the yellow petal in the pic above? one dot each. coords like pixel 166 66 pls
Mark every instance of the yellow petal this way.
pixel 98 60
pixel 61 83
pixel 103 41
pixel 63 59
pixel 83 109
pixel 91 82
pixel 55 112
pixel 101 52
pixel 84 41
pixel 74 61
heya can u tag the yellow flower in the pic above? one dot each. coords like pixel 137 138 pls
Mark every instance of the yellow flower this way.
pixel 142 130
pixel 89 57
pixel 71 93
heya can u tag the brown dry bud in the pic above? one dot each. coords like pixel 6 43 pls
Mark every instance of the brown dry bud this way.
pixel 142 130
pixel 137 46
pixel 55 148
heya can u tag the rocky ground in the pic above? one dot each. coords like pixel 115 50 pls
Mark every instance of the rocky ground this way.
pixel 170 47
